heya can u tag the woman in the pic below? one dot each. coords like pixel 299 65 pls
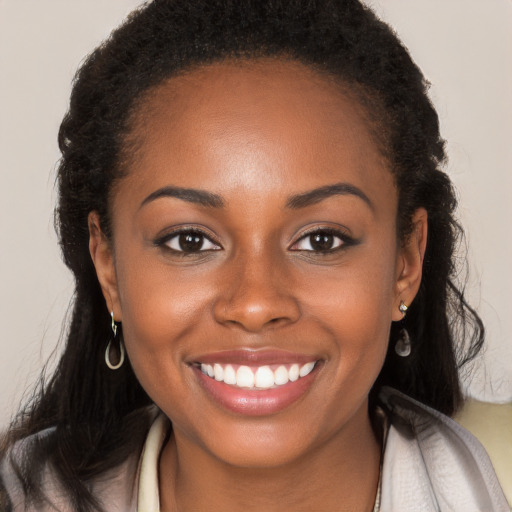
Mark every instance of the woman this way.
pixel 251 201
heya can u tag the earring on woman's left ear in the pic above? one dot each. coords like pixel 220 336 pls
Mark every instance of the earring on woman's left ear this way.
pixel 403 308
pixel 403 344
pixel 121 347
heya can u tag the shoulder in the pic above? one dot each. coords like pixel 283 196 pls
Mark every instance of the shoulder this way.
pixel 114 489
pixel 431 463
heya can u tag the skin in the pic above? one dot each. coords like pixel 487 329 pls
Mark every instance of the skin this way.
pixel 287 130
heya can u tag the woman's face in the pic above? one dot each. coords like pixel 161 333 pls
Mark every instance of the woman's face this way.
pixel 256 268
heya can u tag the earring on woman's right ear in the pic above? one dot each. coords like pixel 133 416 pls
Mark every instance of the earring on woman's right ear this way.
pixel 403 344
pixel 121 348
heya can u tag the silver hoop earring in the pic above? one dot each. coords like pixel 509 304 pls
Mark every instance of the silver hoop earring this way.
pixel 121 348
pixel 114 325
pixel 403 344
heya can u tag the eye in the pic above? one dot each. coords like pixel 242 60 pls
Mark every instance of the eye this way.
pixel 189 241
pixel 322 240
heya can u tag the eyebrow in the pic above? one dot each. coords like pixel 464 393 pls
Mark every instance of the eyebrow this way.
pixel 319 194
pixel 191 195
pixel 211 200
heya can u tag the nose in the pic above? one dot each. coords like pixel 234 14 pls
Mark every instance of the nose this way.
pixel 256 295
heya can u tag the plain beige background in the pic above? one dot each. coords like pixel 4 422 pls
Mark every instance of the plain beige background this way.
pixel 462 46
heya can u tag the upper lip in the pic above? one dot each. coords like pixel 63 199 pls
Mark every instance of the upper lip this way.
pixel 254 357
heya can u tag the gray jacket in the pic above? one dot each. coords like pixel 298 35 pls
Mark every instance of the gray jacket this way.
pixel 430 464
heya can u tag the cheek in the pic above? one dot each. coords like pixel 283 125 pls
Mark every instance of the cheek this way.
pixel 360 291
pixel 155 297
pixel 354 303
pixel 160 310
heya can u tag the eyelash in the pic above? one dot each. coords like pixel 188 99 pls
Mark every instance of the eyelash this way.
pixel 165 241
pixel 344 241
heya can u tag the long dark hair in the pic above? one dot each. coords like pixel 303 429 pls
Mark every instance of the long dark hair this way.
pixel 97 416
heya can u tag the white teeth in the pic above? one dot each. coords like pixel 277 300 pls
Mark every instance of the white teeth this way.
pixel 229 375
pixel 293 374
pixel 264 377
pixel 244 377
pixel 218 372
pixel 281 376
pixel 307 368
pixel 207 369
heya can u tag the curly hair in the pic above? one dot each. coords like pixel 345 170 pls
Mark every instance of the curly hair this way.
pixel 97 416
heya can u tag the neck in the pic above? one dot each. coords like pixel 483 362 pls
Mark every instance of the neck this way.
pixel 340 474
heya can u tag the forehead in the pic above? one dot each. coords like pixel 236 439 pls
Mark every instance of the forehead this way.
pixel 248 124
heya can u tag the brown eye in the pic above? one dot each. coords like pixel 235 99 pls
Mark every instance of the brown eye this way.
pixel 190 242
pixel 321 241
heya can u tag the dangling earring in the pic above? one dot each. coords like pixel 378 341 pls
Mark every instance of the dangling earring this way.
pixel 121 348
pixel 403 344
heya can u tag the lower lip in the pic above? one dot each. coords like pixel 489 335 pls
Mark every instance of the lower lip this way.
pixel 251 402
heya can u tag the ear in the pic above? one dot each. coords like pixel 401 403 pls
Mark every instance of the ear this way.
pixel 103 258
pixel 410 263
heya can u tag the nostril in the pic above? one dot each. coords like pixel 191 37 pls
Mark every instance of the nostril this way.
pixel 254 315
pixel 254 300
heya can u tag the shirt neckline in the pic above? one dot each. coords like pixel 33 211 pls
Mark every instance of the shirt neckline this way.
pixel 148 499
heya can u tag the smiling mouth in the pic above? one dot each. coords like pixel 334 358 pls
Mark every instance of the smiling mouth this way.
pixel 256 377
pixel 256 383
